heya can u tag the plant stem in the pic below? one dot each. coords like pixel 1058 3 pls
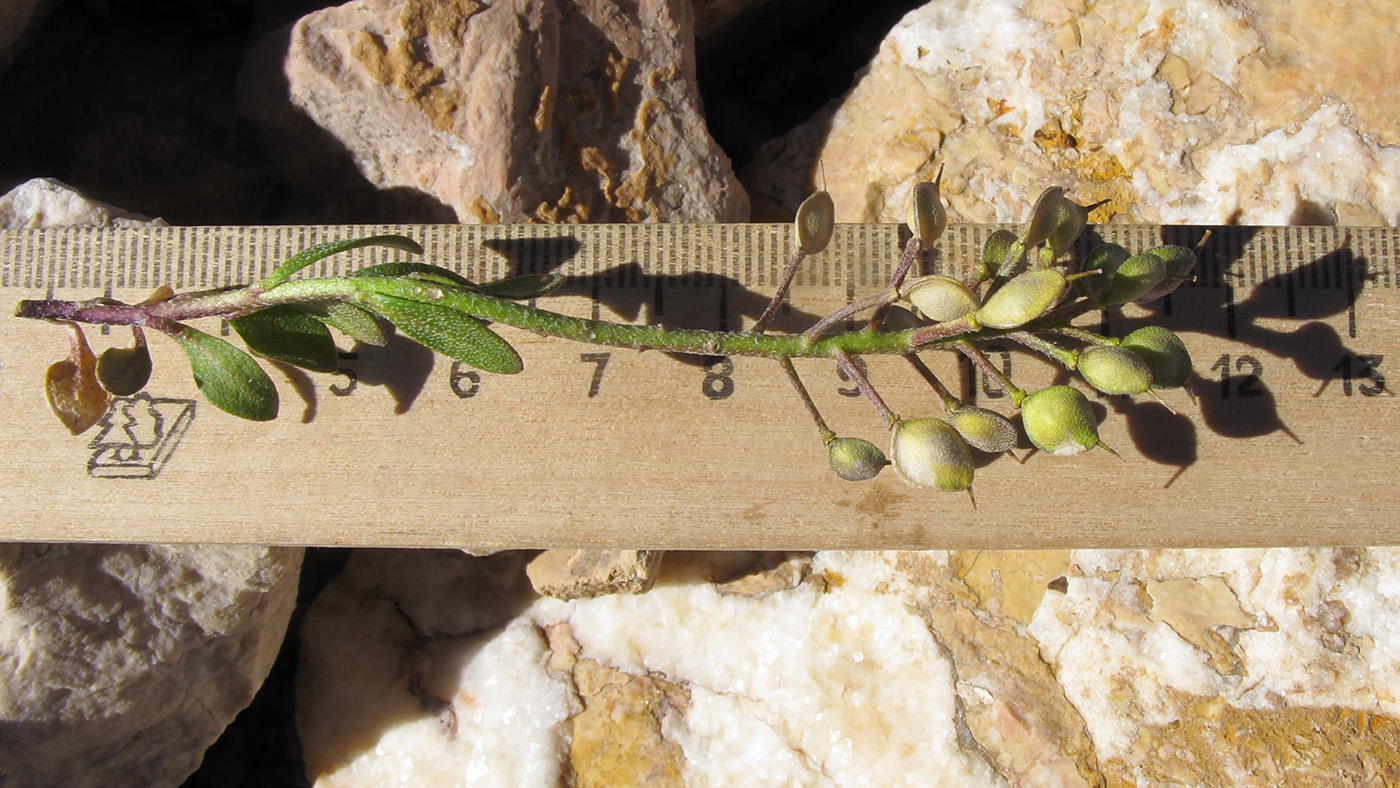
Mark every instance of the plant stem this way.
pixel 166 315
pixel 848 365
pixel 981 361
pixel 827 435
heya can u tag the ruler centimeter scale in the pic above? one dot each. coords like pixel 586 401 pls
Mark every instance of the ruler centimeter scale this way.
pixel 1291 438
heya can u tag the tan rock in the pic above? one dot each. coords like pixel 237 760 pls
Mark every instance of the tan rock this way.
pixel 1201 112
pixel 121 664
pixel 526 110
pixel 574 574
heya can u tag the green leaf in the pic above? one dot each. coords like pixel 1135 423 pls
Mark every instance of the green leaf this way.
pixel 447 331
pixel 228 377
pixel 125 370
pixel 348 319
pixel 311 254
pixel 425 271
pixel 522 288
pixel 287 334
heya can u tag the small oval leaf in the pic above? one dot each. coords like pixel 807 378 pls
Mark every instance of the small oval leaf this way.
pixel 348 319
pixel 447 331
pixel 228 377
pixel 287 334
pixel 125 370
pixel 522 288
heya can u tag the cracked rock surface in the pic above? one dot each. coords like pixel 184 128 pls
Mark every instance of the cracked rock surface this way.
pixel 848 669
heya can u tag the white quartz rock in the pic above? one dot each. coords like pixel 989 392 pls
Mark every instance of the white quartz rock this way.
pixel 1203 111
pixel 1139 639
pixel 46 202
pixel 121 664
pixel 779 685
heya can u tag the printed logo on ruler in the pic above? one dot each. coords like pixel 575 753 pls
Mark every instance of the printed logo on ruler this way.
pixel 138 435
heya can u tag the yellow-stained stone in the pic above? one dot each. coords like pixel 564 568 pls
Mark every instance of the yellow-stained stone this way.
pixel 1010 583
pixel 616 740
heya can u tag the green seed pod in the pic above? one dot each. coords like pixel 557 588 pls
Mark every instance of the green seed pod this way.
pixel 1023 299
pixel 816 219
pixel 940 298
pixel 1164 354
pixel 1104 258
pixel 1134 278
pixel 1179 261
pixel 855 460
pixel 1069 223
pixel 930 453
pixel 995 253
pixel 1058 420
pixel 984 429
pixel 1115 370
pixel 926 216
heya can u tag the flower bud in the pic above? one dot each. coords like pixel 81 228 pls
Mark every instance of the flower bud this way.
pixel 1134 278
pixel 984 429
pixel 816 219
pixel 926 216
pixel 1164 354
pixel 1059 420
pixel 855 460
pixel 930 453
pixel 940 298
pixel 1115 370
pixel 1023 299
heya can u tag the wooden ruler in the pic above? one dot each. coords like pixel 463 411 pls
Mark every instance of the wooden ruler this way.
pixel 1293 439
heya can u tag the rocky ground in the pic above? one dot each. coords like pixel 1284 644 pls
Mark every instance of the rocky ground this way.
pixel 1268 667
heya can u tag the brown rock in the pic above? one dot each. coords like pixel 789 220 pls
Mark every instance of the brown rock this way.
pixel 549 110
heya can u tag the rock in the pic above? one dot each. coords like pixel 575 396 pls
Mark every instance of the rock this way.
pixel 45 202
pixel 1232 667
pixel 120 664
pixel 1205 112
pixel 828 679
pixel 571 574
pixel 562 110
pixel 1063 668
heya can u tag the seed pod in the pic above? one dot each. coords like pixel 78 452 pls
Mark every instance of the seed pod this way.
pixel 929 453
pixel 816 219
pixel 1178 261
pixel 940 298
pixel 995 253
pixel 1058 420
pixel 1023 299
pixel 926 216
pixel 1115 370
pixel 855 460
pixel 1104 258
pixel 1164 354
pixel 1134 278
pixel 984 429
pixel 1045 214
pixel 1069 223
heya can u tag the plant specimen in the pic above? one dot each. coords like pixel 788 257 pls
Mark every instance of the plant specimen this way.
pixel 1027 288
